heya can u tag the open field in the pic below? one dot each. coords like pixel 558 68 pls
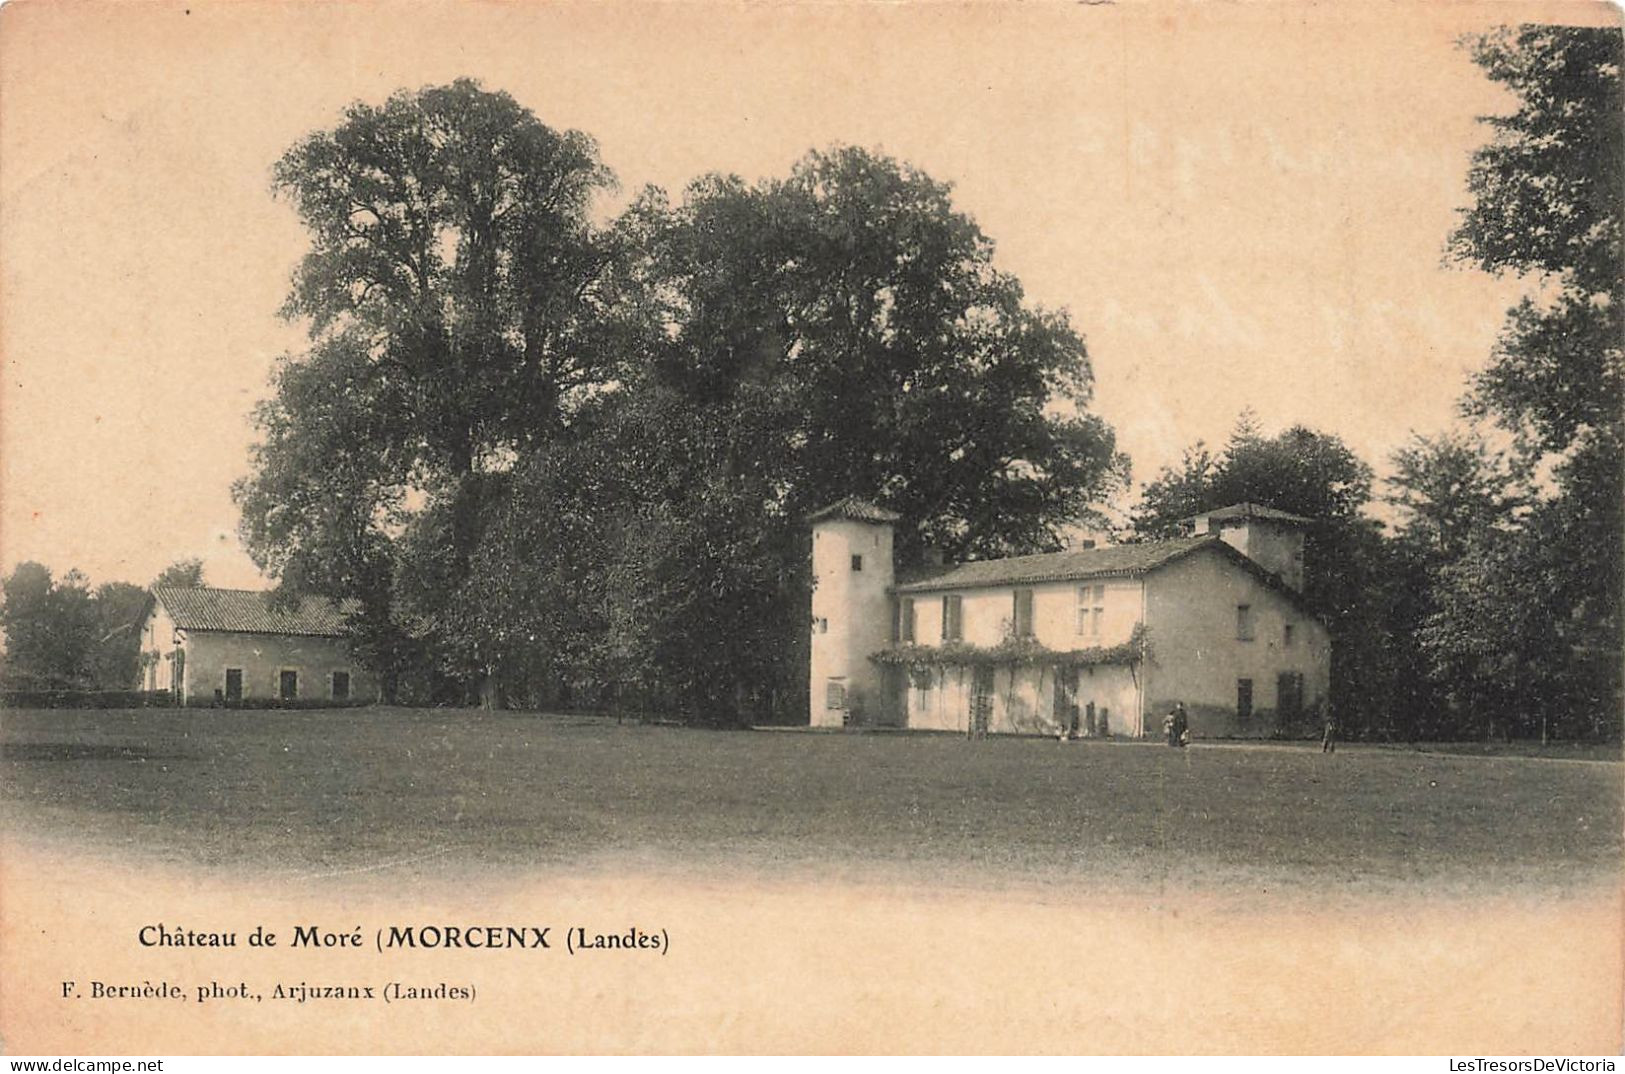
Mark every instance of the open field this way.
pixel 418 791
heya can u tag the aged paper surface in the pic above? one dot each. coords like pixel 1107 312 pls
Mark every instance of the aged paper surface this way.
pixel 143 262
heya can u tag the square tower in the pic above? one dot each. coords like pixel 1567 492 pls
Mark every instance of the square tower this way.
pixel 1270 538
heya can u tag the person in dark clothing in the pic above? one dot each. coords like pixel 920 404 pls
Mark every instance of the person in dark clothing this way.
pixel 1328 739
pixel 1182 725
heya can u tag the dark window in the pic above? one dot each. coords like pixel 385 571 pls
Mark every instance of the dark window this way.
pixel 289 684
pixel 1288 696
pixel 905 619
pixel 1244 622
pixel 953 627
pixel 341 686
pixel 1286 635
pixel 1066 700
pixel 857 563
pixel 1244 699
pixel 1024 613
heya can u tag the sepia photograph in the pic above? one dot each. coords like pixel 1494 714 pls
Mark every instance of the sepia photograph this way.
pixel 812 528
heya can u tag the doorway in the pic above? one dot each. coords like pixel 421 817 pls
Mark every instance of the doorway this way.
pixel 1288 697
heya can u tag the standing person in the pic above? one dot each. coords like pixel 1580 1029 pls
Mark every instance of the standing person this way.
pixel 1328 738
pixel 1182 724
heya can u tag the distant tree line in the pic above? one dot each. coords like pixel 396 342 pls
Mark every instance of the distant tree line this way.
pixel 62 634
pixel 1493 608
pixel 558 461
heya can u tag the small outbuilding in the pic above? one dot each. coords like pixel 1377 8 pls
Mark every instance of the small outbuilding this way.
pixel 234 646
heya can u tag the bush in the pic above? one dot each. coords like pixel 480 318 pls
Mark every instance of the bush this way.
pixel 69 698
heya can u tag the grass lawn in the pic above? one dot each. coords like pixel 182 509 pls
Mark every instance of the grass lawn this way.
pixel 313 792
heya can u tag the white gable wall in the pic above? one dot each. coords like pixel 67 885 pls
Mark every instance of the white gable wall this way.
pixel 157 644
pixel 1196 657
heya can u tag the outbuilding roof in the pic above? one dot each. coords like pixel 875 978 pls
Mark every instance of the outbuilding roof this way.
pixel 248 611
pixel 1120 560
pixel 858 510
pixel 1251 510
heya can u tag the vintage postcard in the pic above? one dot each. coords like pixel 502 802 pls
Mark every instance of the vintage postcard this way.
pixel 640 527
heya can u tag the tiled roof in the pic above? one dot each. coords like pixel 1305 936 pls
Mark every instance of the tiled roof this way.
pixel 247 611
pixel 1251 510
pixel 1121 560
pixel 855 509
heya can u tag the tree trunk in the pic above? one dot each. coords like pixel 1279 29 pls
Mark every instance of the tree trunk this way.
pixel 490 687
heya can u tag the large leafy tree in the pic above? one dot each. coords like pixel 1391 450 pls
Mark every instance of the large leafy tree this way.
pixel 1452 494
pixel 840 331
pixel 865 311
pixel 453 291
pixel 1528 620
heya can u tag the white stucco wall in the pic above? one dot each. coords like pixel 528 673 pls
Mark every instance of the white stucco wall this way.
pixel 263 657
pixel 157 643
pixel 851 615
pixel 1196 657
pixel 988 613
pixel 1024 700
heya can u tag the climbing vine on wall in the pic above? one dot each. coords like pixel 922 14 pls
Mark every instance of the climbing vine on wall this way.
pixel 1013 652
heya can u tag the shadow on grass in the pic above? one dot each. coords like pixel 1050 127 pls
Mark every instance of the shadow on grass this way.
pixel 48 752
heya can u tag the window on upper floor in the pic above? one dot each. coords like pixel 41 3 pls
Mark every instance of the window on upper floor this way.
pixel 905 619
pixel 1286 636
pixel 953 623
pixel 1244 622
pixel 857 563
pixel 1022 618
pixel 1091 609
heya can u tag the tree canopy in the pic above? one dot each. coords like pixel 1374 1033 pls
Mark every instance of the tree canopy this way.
pixel 535 448
pixel 183 573
pixel 1526 624
pixel 453 295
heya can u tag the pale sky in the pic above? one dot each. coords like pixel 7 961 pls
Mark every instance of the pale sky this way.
pixel 1240 205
